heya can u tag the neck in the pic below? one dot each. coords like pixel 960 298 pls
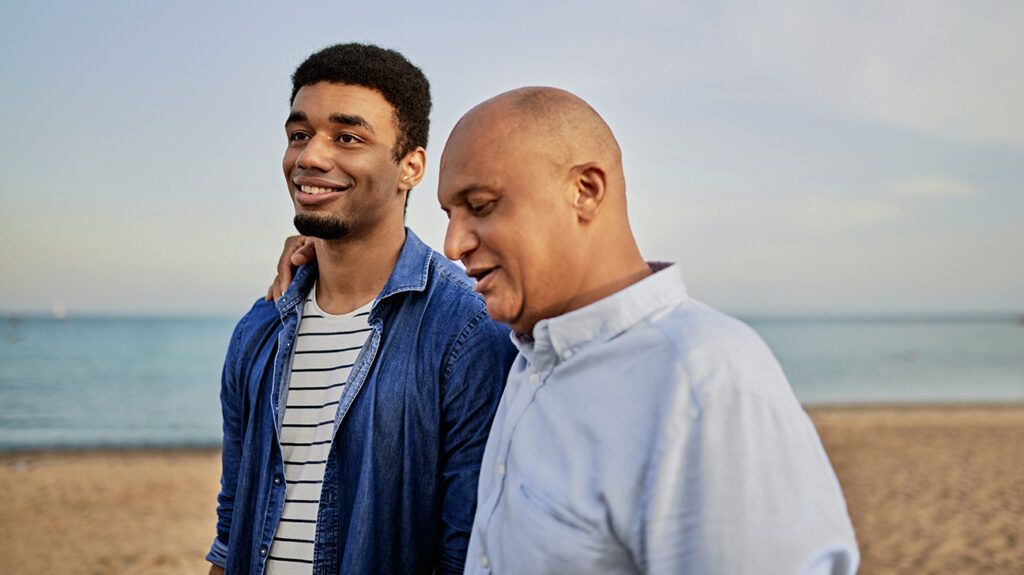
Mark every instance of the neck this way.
pixel 609 275
pixel 353 270
pixel 611 266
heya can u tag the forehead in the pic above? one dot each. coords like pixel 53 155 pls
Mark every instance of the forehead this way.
pixel 499 154
pixel 471 162
pixel 318 102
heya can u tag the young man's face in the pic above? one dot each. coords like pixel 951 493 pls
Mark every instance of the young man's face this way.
pixel 339 163
pixel 510 223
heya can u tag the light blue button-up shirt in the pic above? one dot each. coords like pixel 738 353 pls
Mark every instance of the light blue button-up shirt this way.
pixel 649 433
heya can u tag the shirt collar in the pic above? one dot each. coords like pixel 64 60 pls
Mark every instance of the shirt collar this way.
pixel 557 339
pixel 409 274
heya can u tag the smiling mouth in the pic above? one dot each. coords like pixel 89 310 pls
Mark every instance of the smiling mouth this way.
pixel 316 190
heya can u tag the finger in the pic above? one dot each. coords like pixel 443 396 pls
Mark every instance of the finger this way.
pixel 304 254
pixel 284 262
pixel 281 285
pixel 284 265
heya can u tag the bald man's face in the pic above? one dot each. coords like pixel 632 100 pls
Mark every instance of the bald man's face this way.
pixel 510 221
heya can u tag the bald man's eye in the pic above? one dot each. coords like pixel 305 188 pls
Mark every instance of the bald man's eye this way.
pixel 481 209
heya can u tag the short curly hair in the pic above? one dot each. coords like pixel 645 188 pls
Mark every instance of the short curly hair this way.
pixel 401 83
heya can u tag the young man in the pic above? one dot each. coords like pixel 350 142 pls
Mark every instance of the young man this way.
pixel 356 407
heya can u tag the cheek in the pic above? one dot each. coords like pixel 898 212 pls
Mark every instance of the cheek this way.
pixel 288 162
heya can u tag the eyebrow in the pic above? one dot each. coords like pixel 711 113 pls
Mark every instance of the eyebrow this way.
pixel 344 119
pixel 460 196
pixel 350 120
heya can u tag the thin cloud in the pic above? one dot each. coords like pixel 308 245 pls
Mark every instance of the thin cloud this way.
pixel 932 186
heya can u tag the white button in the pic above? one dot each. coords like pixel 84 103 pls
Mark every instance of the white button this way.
pixel 534 378
pixel 485 562
pixel 567 354
pixel 501 470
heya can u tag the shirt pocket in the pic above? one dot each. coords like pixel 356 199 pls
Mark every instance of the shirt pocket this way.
pixel 545 537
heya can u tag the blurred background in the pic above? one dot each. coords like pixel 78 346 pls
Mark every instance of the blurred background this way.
pixel 845 177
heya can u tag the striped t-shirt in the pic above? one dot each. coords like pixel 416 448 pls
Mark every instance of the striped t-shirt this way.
pixel 325 350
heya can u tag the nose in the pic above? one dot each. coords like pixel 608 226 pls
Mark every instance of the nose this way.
pixel 459 240
pixel 316 154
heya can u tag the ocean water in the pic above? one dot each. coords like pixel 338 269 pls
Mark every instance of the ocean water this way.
pixel 89 382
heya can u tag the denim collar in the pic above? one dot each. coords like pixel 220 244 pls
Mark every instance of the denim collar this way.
pixel 409 274
pixel 558 338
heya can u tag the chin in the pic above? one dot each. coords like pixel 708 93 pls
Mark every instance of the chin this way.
pixel 496 310
pixel 506 314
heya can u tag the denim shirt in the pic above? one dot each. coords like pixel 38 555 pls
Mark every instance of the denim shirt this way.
pixel 399 489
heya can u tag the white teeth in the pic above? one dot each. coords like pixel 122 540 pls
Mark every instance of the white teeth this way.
pixel 315 190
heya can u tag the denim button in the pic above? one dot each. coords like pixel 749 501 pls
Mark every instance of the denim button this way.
pixel 277 480
pixel 263 550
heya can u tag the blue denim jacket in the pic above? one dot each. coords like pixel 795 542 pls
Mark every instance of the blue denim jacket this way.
pixel 400 483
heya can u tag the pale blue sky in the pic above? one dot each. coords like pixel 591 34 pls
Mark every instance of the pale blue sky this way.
pixel 794 157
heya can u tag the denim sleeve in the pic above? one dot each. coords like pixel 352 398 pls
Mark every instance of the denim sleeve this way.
pixel 474 379
pixel 231 412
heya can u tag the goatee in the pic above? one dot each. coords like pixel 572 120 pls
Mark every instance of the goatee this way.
pixel 320 226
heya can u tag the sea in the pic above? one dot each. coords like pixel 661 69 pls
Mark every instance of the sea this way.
pixel 88 382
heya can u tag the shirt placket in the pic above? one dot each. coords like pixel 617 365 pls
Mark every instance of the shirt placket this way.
pixel 528 384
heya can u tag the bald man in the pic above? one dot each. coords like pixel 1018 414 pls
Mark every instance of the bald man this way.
pixel 640 431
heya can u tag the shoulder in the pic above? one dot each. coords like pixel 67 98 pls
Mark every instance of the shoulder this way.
pixel 261 320
pixel 717 354
pixel 450 291
pixel 459 310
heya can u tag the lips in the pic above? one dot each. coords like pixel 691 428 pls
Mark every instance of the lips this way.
pixel 309 192
pixel 484 277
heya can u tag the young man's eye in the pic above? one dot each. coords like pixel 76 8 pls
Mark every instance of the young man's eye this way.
pixel 347 139
pixel 298 137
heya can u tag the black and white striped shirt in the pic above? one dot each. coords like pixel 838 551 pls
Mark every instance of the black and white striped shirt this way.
pixel 325 351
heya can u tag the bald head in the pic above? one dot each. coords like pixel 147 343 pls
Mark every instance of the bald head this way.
pixel 532 183
pixel 559 124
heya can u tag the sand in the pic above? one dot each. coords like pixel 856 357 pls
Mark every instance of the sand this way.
pixel 930 490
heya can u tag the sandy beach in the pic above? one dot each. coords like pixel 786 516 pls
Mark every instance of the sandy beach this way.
pixel 930 490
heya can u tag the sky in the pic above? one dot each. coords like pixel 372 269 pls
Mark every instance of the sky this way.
pixel 800 157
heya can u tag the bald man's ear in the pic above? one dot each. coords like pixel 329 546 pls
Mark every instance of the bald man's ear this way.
pixel 591 186
pixel 412 167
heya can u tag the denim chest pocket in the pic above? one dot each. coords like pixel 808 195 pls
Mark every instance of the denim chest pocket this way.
pixel 545 537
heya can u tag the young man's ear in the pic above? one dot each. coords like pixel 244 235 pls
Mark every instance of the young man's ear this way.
pixel 413 166
pixel 590 182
